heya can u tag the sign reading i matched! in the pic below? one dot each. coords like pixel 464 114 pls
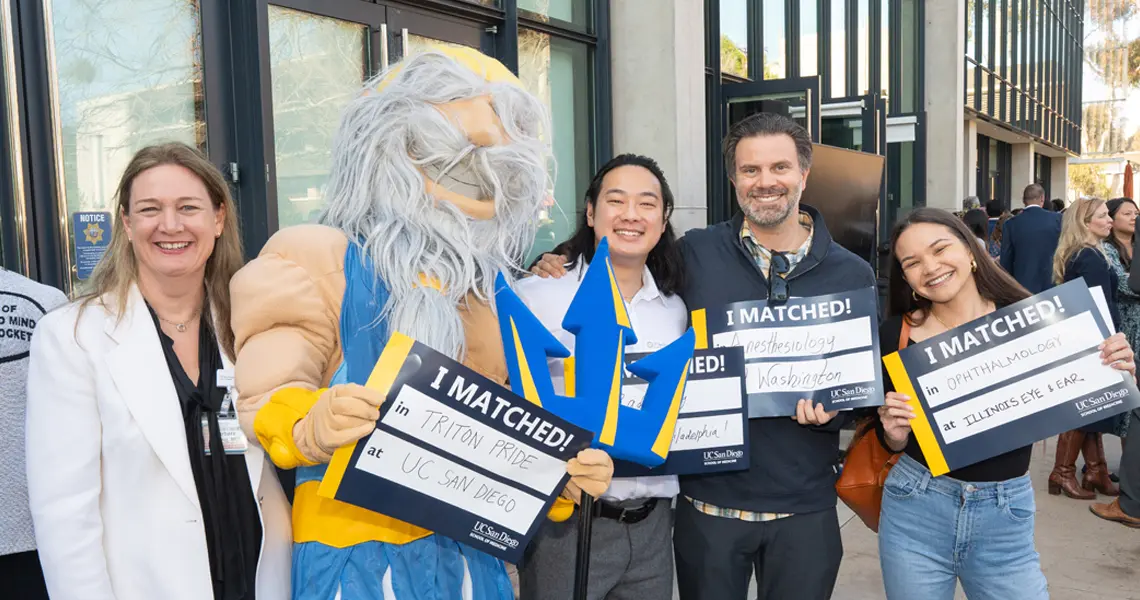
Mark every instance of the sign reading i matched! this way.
pixel 455 453
pixel 712 424
pixel 1015 376
pixel 823 348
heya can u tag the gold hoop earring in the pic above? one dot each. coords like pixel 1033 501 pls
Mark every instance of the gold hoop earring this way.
pixel 973 266
pixel 914 295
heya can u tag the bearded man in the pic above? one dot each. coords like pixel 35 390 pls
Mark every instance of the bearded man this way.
pixel 438 174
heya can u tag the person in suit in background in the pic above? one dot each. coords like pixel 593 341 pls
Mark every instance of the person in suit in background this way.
pixel 135 493
pixel 1029 240
pixel 1057 205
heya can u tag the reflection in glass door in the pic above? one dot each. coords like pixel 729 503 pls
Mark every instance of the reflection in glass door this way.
pixel 127 74
pixel 317 64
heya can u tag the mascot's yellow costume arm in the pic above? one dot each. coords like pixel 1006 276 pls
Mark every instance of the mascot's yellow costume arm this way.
pixel 286 310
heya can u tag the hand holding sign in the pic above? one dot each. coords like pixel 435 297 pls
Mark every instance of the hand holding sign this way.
pixel 342 415
pixel 896 415
pixel 1115 351
pixel 806 414
pixel 591 472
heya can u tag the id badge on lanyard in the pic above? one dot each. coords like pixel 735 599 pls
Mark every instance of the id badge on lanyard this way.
pixel 233 439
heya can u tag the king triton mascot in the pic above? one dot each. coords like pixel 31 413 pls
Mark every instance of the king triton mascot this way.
pixel 438 174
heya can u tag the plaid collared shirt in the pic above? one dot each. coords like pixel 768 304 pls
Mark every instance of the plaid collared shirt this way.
pixel 732 513
pixel 763 256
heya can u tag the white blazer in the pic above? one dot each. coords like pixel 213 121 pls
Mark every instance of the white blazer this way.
pixel 112 495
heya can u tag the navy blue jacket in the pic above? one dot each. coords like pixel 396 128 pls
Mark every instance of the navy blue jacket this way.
pixel 793 467
pixel 1092 264
pixel 1028 242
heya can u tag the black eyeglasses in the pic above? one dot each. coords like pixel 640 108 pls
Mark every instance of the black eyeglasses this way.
pixel 778 268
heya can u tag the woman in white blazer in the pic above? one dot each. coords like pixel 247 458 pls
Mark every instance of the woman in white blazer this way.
pixel 141 485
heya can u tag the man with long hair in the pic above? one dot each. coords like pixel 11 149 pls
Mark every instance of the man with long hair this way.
pixel 628 203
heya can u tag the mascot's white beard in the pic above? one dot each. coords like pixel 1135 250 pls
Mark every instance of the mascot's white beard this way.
pixel 377 196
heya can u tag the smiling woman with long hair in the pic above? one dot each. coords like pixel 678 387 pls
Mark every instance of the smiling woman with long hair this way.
pixel 140 481
pixel 940 279
pixel 1083 253
pixel 1118 249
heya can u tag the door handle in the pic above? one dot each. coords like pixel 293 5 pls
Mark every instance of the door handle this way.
pixel 404 43
pixel 383 47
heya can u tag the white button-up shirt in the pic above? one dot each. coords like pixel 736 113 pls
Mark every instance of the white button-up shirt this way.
pixel 657 320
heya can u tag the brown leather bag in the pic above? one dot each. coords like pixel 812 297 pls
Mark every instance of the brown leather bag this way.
pixel 867 465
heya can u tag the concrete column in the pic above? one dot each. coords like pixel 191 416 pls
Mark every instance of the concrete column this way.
pixel 945 87
pixel 1022 173
pixel 658 77
pixel 970 161
pixel 1059 178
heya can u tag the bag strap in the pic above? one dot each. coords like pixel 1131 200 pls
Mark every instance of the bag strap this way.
pixel 867 424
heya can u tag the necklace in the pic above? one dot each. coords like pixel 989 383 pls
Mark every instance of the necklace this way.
pixel 948 328
pixel 181 327
pixel 943 323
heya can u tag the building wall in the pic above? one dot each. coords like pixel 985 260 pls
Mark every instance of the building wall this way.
pixel 945 140
pixel 657 72
pixel 1021 95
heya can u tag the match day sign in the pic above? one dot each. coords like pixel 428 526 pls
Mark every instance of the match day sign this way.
pixel 1018 375
pixel 455 453
pixel 712 425
pixel 823 348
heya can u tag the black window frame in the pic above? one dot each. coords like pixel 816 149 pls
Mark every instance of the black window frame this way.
pixel 234 45
pixel 1040 95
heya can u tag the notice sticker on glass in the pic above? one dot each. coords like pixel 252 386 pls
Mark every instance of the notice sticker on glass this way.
pixel 92 234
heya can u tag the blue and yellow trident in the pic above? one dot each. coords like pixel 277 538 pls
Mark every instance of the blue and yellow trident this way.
pixel 599 321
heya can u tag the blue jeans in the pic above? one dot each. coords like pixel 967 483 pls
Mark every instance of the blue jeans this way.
pixel 936 531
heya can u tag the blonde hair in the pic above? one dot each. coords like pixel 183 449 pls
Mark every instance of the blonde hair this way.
pixel 118 270
pixel 1075 235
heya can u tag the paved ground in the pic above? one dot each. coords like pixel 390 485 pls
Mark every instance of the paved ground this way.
pixel 1083 557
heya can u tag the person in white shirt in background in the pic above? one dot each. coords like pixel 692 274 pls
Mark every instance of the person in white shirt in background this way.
pixel 629 203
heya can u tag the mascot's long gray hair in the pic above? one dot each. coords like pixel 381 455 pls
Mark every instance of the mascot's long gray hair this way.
pixel 387 141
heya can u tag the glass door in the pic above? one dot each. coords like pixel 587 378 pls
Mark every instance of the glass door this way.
pixel 318 59
pixel 797 98
pixel 123 74
pixel 413 31
pixel 319 54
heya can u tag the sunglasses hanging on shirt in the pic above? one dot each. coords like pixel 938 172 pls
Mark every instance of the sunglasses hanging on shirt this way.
pixel 778 268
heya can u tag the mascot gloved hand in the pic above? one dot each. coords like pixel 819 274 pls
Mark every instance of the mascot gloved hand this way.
pixel 437 179
pixel 342 415
pixel 590 472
